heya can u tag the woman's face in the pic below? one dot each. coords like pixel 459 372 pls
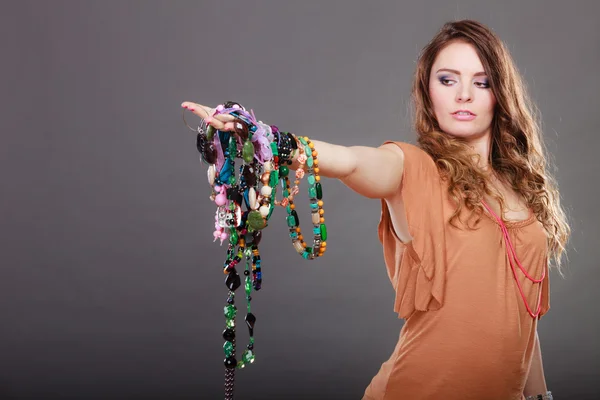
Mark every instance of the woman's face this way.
pixel 463 102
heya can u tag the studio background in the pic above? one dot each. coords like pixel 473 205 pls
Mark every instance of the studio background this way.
pixel 110 285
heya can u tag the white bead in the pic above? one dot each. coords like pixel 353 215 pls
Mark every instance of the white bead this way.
pixel 264 211
pixel 252 199
pixel 266 191
pixel 316 218
pixel 268 167
pixel 298 246
pixel 211 174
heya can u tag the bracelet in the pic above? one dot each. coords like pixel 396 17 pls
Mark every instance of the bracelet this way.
pixel 547 396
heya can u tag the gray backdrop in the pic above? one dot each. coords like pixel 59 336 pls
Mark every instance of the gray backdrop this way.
pixel 110 285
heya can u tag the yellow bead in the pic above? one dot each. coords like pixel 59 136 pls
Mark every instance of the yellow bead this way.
pixel 323 244
pixel 320 203
pixel 317 178
pixel 322 220
pixel 321 211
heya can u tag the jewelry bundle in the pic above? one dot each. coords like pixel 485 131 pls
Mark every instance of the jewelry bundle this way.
pixel 245 203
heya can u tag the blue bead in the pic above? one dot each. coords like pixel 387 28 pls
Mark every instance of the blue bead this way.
pixel 317 230
pixel 314 206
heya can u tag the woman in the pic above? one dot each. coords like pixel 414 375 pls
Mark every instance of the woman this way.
pixel 470 220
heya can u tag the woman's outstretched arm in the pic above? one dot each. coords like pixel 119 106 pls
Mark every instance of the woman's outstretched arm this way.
pixel 373 172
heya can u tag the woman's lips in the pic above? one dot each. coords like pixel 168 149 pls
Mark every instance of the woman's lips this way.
pixel 463 115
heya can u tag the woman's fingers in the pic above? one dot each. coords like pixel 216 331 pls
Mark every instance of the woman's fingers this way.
pixel 198 109
pixel 219 121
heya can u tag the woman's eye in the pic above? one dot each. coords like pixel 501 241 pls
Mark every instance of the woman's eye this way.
pixel 446 81
pixel 483 85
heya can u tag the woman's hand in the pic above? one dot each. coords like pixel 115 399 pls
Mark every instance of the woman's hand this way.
pixel 222 122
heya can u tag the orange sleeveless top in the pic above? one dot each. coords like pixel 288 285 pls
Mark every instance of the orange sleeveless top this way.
pixel 467 332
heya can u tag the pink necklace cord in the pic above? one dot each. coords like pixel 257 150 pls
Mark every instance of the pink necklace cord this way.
pixel 512 255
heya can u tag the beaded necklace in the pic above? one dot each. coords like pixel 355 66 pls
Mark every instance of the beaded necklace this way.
pixel 264 151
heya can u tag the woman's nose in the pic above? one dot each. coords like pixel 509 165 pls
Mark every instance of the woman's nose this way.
pixel 464 94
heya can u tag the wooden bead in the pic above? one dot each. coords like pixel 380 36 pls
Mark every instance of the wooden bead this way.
pixel 320 203
pixel 317 178
pixel 321 211
pixel 322 220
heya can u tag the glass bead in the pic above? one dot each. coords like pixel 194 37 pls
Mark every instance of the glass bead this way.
pixel 309 162
pixel 230 323
pixel 296 219
pixel 248 286
pixel 210 153
pixel 230 311
pixel 312 192
pixel 291 221
pixel 210 132
pixel 255 221
pixel 316 218
pixel 229 334
pixel 250 320
pixel 323 232
pixel 274 149
pixel 256 237
pixel 311 179
pixel 298 246
pixel 284 171
pixel 314 206
pixel 228 348
pixel 274 178
pixel 248 356
pixel 248 151
pixel 232 148
pixel 233 280
pixel 233 237
pixel 249 175
pixel 319 191
pixel 230 362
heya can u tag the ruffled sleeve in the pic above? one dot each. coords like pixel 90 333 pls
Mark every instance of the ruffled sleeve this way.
pixel 416 269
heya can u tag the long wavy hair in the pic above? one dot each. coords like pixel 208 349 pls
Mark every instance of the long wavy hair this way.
pixel 517 154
